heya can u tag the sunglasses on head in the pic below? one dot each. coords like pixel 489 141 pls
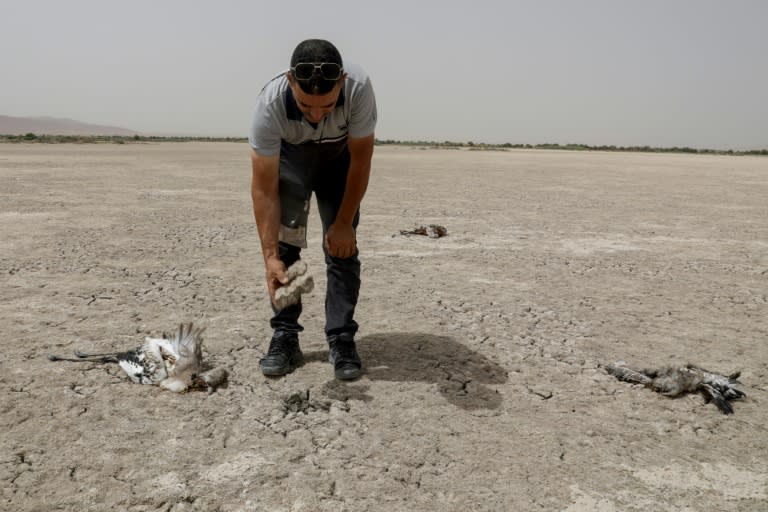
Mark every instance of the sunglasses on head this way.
pixel 327 70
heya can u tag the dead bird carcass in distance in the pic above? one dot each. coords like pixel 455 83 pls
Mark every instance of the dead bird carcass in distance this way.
pixel 674 381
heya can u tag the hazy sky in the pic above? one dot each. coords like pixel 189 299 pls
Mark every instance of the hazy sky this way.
pixel 655 72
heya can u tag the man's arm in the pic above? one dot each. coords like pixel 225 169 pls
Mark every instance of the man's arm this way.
pixel 266 210
pixel 360 152
pixel 340 238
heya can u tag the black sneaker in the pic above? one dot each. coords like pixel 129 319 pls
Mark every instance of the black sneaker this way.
pixel 343 356
pixel 283 355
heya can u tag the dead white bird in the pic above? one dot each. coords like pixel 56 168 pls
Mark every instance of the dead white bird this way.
pixel 171 362
pixel 299 283
pixel 675 381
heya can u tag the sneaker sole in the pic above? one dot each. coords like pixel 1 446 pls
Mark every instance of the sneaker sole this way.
pixel 277 371
pixel 345 375
pixel 348 376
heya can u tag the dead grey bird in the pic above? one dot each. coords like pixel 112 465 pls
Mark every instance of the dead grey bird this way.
pixel 171 362
pixel 677 380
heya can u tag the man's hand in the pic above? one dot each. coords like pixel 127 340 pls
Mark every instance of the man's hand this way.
pixel 275 276
pixel 340 240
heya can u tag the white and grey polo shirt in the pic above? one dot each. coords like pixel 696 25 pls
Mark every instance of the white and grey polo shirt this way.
pixel 277 119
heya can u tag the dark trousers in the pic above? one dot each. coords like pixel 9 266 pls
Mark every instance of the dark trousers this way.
pixel 322 169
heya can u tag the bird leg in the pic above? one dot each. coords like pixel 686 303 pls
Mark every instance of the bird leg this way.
pixel 84 355
pixel 86 358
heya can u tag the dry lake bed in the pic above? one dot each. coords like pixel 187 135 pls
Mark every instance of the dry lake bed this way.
pixel 484 387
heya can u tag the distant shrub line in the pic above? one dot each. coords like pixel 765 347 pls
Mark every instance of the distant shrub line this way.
pixel 114 139
pixel 481 146
pixel 571 147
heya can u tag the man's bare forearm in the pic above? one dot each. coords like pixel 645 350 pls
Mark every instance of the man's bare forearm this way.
pixel 266 203
pixel 357 179
pixel 357 184
pixel 266 211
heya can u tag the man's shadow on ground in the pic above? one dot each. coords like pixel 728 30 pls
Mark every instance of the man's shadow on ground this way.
pixel 461 375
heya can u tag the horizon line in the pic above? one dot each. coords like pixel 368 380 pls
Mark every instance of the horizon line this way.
pixel 31 137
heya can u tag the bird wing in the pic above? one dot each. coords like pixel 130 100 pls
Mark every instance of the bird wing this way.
pixel 156 352
pixel 712 394
pixel 140 368
pixel 158 349
pixel 621 371
pixel 191 338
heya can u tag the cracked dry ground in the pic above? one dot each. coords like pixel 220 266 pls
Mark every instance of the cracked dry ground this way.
pixel 483 389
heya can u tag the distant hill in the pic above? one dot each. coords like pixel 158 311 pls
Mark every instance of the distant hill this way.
pixel 56 126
